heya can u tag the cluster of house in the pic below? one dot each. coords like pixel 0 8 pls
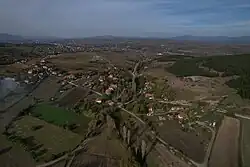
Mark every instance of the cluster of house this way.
pixel 147 88
pixel 38 71
pixel 107 83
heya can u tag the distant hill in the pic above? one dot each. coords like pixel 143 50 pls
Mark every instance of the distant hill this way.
pixel 214 39
pixel 4 37
pixel 10 38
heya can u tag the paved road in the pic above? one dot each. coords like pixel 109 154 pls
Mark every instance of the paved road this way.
pixel 237 115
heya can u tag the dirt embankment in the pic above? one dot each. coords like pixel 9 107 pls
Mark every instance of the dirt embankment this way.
pixel 225 149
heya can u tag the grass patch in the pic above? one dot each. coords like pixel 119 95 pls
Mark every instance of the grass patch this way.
pixel 77 123
pixel 245 142
pixel 55 115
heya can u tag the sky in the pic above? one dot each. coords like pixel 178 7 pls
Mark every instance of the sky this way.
pixel 159 18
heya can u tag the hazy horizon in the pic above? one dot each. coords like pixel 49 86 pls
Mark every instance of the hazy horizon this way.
pixel 141 18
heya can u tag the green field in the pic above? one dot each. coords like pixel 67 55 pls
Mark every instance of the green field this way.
pixel 245 142
pixel 42 139
pixel 54 115
pixel 62 117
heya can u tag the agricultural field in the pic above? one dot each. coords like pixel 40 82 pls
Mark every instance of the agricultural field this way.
pixel 12 154
pixel 47 89
pixel 105 149
pixel 118 58
pixel 191 143
pixel 73 97
pixel 58 116
pixel 8 115
pixel 245 145
pixel 225 149
pixel 161 157
pixel 55 115
pixel 56 141
pixel 72 61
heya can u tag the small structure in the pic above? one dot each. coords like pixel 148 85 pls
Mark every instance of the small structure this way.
pixel 110 76
pixel 159 54
pixel 30 72
pixel 111 103
pixel 182 116
pixel 161 118
pixel 150 112
pixel 99 101
pixel 45 67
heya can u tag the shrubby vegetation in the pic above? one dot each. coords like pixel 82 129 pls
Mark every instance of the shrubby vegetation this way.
pixel 189 67
pixel 229 65
pixel 242 85
pixel 173 58
pixel 233 65
pixel 11 53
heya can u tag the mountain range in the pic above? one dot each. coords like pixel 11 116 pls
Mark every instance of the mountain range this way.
pixel 214 39
pixel 4 37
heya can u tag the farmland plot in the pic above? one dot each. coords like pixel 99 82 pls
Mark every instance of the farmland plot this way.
pixel 61 117
pixel 57 140
pixel 73 97
pixel 12 112
pixel 104 149
pixel 47 89
pixel 12 154
pixel 225 149
pixel 72 61
pixel 192 144
pixel 161 157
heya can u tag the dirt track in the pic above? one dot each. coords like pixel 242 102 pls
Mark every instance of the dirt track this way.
pixel 225 149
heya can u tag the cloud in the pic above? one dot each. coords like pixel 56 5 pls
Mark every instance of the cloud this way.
pixel 124 17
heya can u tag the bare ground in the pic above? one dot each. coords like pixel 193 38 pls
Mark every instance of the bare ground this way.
pixel 73 97
pixel 193 144
pixel 161 157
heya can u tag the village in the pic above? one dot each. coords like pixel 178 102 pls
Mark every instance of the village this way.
pixel 126 96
